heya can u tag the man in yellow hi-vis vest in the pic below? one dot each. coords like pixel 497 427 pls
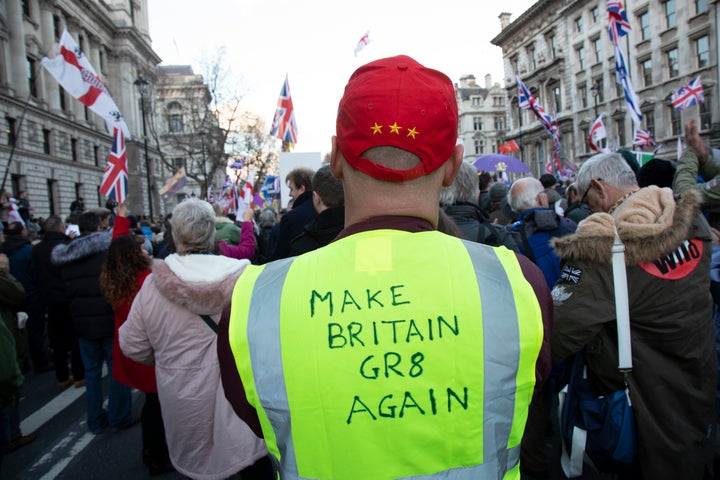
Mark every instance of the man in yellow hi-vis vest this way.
pixel 396 351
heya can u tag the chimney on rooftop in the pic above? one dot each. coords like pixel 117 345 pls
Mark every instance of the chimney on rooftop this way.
pixel 488 81
pixel 504 19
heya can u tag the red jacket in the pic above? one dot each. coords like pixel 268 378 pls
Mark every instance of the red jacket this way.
pixel 124 370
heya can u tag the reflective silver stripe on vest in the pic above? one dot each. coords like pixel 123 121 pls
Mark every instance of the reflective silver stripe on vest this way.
pixel 501 343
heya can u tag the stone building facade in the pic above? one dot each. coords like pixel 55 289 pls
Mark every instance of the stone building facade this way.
pixel 561 50
pixel 482 116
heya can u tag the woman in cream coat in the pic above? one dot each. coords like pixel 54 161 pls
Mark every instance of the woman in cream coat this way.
pixel 205 438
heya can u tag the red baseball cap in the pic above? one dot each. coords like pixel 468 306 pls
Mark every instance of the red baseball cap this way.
pixel 397 102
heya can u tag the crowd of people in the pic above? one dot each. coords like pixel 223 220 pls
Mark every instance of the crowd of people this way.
pixel 406 317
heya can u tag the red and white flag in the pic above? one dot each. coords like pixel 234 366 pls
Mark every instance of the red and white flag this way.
pixel 509 147
pixel 597 133
pixel 247 195
pixel 362 43
pixel 115 179
pixel 74 73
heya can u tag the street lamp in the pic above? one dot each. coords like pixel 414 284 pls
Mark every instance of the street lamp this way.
pixel 141 83
pixel 595 92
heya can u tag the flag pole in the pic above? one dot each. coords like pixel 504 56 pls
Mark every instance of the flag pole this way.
pixel 16 137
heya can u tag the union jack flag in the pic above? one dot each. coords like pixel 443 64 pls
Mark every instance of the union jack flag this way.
pixel 237 163
pixel 689 95
pixel 643 138
pixel 115 179
pixel 617 20
pixel 526 101
pixel 284 126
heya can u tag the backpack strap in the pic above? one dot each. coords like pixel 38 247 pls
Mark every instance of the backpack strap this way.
pixel 210 322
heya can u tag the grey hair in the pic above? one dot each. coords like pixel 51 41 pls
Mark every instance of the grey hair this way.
pixel 523 194
pixel 267 218
pixel 610 167
pixel 193 226
pixel 465 187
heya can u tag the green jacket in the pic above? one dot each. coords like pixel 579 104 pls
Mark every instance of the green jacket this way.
pixel 12 295
pixel 686 178
pixel 227 231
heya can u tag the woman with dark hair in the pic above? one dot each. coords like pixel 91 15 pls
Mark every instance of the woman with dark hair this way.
pixel 126 266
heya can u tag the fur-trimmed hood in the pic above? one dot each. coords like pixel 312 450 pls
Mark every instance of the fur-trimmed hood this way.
pixel 81 247
pixel 650 223
pixel 179 282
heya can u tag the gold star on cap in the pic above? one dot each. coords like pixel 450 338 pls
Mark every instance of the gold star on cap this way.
pixel 376 128
pixel 395 128
pixel 412 132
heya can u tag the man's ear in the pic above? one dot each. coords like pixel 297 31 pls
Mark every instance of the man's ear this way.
pixel 336 159
pixel 453 165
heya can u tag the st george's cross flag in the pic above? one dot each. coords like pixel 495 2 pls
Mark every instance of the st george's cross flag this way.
pixel 597 133
pixel 284 126
pixel 362 43
pixel 689 95
pixel 509 147
pixel 115 179
pixel 74 73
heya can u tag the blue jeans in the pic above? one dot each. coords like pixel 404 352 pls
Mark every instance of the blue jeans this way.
pixel 119 413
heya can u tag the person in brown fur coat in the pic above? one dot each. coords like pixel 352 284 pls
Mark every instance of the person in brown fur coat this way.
pixel 667 254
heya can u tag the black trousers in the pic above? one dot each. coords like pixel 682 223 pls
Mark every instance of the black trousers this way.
pixel 63 341
pixel 153 431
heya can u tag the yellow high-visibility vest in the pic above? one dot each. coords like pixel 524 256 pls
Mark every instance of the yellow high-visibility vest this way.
pixel 389 354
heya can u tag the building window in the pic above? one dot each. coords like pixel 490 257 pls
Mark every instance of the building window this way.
pixel 96 155
pixel 557 97
pixel 597 48
pixel 670 17
pixel 581 57
pixel 479 147
pixel 595 12
pixel 703 51
pixel 582 94
pixel 706 114
pixel 26 8
pixel 649 118
pixel 599 90
pixel 51 187
pixel 585 132
pixel 675 127
pixel 499 123
pixel 102 61
pixel 178 162
pixel 532 58
pixel 10 130
pixel 646 69
pixel 32 78
pixel 498 101
pixel 552 46
pixel 672 62
pixel 78 190
pixel 644 21
pixel 56 27
pixel 46 141
pixel 701 6
pixel 74 149
pixel 175 123
pixel 476 101
pixel 62 99
pixel 477 123
pixel 578 25
pixel 516 67
pixel 620 125
pixel 86 113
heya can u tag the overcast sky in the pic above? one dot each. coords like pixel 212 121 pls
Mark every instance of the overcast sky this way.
pixel 313 43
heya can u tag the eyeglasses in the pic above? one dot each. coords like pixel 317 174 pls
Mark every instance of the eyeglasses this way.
pixel 590 186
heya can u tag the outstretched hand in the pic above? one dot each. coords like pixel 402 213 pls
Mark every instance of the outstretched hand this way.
pixel 693 140
pixel 122 210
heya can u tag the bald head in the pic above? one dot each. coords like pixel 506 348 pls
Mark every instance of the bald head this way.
pixel 523 194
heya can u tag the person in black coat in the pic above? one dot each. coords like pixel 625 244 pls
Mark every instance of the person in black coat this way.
pixel 80 262
pixel 299 180
pixel 329 201
pixel 61 332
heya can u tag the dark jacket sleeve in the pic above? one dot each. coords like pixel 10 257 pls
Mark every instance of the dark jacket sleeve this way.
pixel 232 385
pixel 535 277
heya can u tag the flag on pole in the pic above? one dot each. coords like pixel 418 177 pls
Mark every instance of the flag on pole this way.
pixel 509 147
pixel 643 138
pixel 74 73
pixel 689 95
pixel 237 163
pixel 173 185
pixel 623 78
pixel 284 126
pixel 14 211
pixel 617 20
pixel 248 193
pixel 362 43
pixel 526 101
pixel 114 183
pixel 597 133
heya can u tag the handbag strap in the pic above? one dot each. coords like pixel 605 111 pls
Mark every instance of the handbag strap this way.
pixel 210 322
pixel 622 311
